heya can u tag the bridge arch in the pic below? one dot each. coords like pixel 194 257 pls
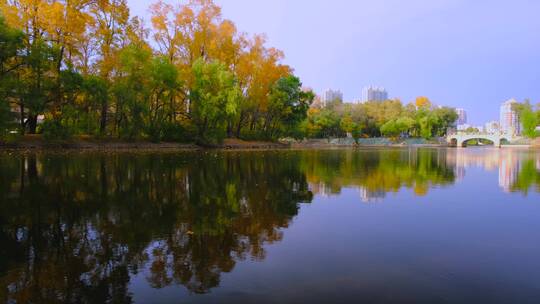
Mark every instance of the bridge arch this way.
pixel 460 140
pixel 466 142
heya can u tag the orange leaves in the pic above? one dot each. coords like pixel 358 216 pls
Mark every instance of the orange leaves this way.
pixel 423 102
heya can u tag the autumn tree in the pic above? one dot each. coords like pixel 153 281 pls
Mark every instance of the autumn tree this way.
pixel 89 67
pixel 111 18
pixel 422 102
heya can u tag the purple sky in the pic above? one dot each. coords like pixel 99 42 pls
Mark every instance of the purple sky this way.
pixel 462 53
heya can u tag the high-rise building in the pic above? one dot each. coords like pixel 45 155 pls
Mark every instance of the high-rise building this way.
pixel 372 93
pixel 330 96
pixel 462 116
pixel 509 120
pixel 492 127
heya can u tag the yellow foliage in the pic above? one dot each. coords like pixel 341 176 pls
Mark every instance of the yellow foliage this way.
pixel 423 102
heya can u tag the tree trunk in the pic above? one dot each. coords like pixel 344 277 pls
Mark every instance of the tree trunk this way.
pixel 103 121
pixel 229 130
pixel 238 130
pixel 32 124
pixel 239 125
pixel 23 124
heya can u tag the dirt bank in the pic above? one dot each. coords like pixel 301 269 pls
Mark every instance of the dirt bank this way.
pixel 36 142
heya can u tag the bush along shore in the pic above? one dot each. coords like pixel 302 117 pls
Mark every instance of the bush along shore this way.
pixel 368 142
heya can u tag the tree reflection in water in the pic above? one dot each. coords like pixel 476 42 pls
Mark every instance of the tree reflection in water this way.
pixel 76 227
pixel 378 171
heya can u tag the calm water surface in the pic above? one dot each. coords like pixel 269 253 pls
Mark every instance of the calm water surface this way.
pixel 363 226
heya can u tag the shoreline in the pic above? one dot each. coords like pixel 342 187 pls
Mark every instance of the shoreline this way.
pixel 38 144
pixel 172 147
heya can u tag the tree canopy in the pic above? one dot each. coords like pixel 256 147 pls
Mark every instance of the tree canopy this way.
pixel 388 118
pixel 91 68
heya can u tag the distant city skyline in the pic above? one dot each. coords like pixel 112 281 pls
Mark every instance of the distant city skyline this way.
pixel 331 95
pixel 464 54
pixel 374 93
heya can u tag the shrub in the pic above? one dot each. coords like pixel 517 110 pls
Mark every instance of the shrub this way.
pixel 55 130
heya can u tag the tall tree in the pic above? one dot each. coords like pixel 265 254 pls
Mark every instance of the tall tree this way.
pixel 214 97
pixel 11 42
pixel 111 18
pixel 288 105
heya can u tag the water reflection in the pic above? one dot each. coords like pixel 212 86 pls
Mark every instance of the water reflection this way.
pixel 378 172
pixel 75 228
pixel 519 169
pixel 375 173
pixel 78 227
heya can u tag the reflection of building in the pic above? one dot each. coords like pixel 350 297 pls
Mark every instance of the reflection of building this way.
pixel 460 173
pixel 509 120
pixel 368 196
pixel 509 168
pixel 374 94
pixel 320 189
pixel 506 161
pixel 330 96
pixel 462 116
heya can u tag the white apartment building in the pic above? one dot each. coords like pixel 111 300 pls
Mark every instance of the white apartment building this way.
pixel 509 120
pixel 372 93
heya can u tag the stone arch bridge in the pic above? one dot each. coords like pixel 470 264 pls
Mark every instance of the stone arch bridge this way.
pixel 461 139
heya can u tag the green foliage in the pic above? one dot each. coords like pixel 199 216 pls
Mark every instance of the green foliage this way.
pixel 445 117
pixel 131 91
pixel 287 108
pixel 56 130
pixel 176 132
pixel 328 124
pixel 214 98
pixel 95 91
pixel 372 119
pixel 528 176
pixel 529 119
pixel 11 41
pixel 6 119
pixel 10 44
pixel 390 128
pixel 347 125
pixel 38 88
pixel 397 127
pixel 472 130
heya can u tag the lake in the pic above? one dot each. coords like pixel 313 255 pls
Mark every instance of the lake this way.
pixel 419 225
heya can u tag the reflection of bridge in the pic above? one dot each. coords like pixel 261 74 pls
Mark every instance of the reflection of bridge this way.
pixel 461 139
